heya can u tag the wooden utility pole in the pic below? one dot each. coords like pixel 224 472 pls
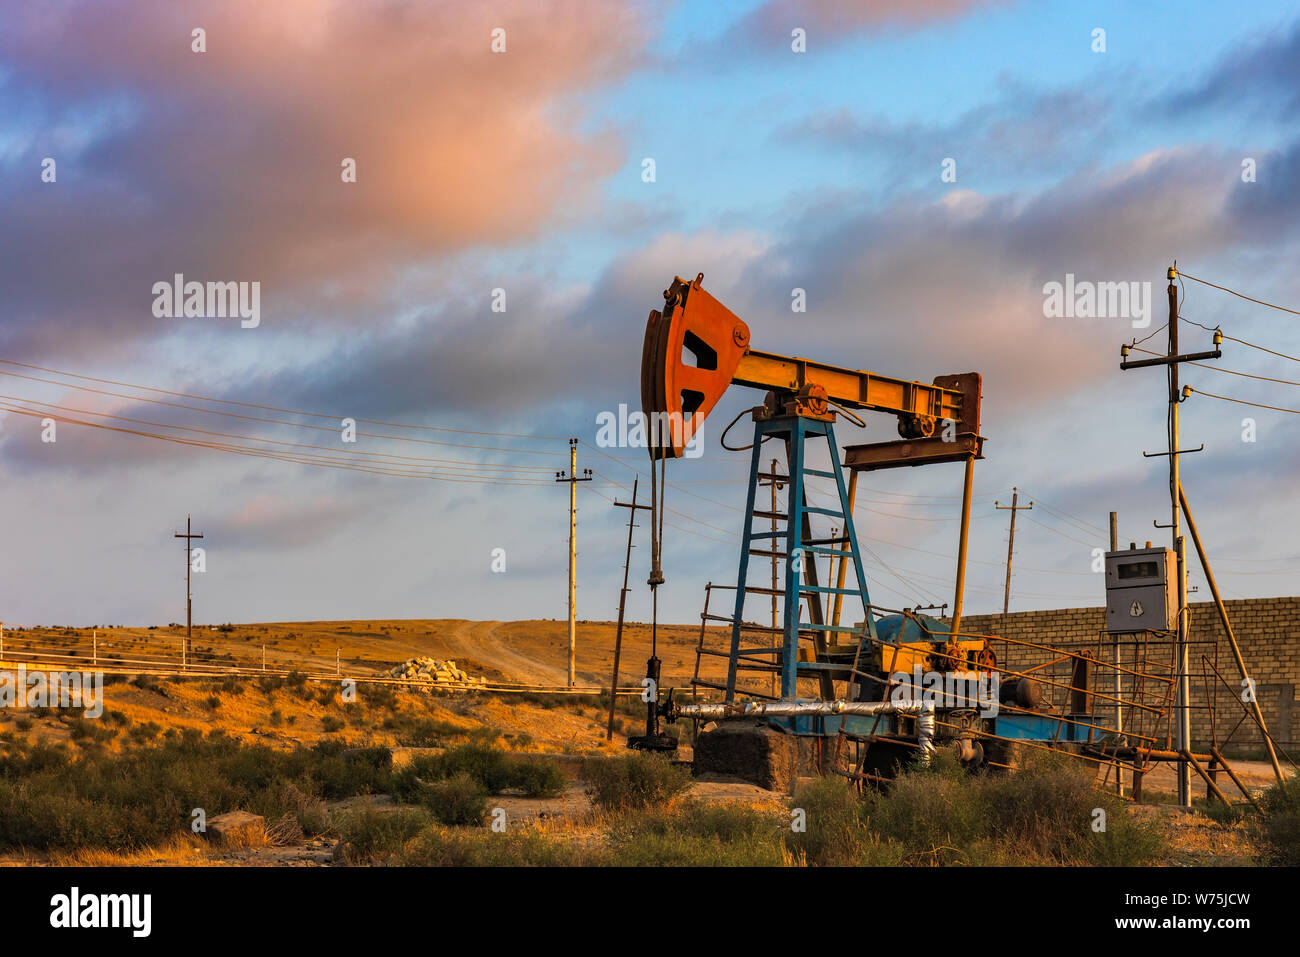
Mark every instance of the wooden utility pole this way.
pixel 622 603
pixel 573 478
pixel 189 536
pixel 1183 707
pixel 1011 540
pixel 775 484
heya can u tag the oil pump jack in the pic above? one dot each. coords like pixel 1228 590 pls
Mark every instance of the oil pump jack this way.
pixel 832 676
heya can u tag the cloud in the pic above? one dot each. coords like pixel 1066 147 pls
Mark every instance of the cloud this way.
pixel 226 164
pixel 1261 78
pixel 774 19
pixel 1021 130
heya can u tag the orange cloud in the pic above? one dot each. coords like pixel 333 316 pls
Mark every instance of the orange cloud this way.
pixel 235 154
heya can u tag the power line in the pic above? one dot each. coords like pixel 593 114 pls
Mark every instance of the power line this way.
pixel 1257 405
pixel 296 425
pixel 457 464
pixel 1058 532
pixel 300 459
pixel 272 408
pixel 1246 375
pixel 1239 295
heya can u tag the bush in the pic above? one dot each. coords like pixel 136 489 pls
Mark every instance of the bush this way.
pixel 538 779
pixel 1278 830
pixel 425 733
pixel 329 724
pixel 1042 814
pixel 634 781
pixel 144 796
pixel 487 766
pixel 520 847
pixel 369 835
pixel 695 834
pixel 457 801
pixel 833 817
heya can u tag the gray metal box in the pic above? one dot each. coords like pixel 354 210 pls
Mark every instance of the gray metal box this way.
pixel 1141 590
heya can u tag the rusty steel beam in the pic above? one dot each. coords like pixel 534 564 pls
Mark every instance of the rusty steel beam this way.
pixel 849 387
pixel 909 452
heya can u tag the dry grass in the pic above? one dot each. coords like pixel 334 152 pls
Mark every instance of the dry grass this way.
pixel 184 849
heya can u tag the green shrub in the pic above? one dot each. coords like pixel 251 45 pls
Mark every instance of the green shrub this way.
pixel 1278 829
pixel 457 801
pixel 1042 814
pixel 368 835
pixel 375 695
pixel 695 834
pixel 519 847
pixel 425 733
pixel 270 683
pixel 538 779
pixel 634 781
pixel 329 724
pixel 487 766
pixel 833 818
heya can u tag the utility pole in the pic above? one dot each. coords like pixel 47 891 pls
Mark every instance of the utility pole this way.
pixel 573 478
pixel 1183 713
pixel 1011 540
pixel 776 484
pixel 622 602
pixel 189 536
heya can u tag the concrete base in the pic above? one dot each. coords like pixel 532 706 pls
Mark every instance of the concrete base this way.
pixel 752 751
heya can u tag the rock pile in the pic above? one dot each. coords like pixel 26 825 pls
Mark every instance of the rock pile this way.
pixel 437 670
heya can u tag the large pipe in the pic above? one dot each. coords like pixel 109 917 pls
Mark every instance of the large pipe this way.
pixel 722 711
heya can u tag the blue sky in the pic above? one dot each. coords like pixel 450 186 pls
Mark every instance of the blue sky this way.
pixel 522 171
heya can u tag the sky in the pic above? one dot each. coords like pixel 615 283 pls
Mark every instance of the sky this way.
pixel 477 293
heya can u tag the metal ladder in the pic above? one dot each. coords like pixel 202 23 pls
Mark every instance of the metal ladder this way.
pixel 799 553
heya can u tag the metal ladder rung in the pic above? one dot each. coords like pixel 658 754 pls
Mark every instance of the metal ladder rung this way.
pixel 816 549
pixel 803 590
pixel 821 472
pixel 833 552
pixel 816 510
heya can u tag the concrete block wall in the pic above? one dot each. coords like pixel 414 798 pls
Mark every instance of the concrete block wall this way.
pixel 1267 630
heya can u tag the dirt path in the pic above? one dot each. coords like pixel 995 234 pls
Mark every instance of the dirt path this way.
pixel 483 642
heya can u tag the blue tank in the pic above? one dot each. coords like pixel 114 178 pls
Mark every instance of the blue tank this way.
pixel 898 629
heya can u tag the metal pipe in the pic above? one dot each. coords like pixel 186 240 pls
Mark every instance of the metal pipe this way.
pixel 722 711
pixel 844 559
pixel 1227 629
pixel 925 731
pixel 961 546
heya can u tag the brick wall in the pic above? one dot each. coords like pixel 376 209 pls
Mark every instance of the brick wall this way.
pixel 1267 630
